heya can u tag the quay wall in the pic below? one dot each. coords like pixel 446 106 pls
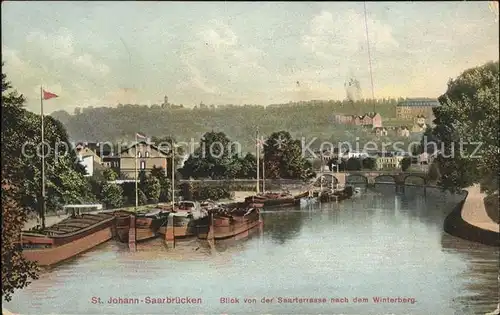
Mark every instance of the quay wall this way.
pixel 454 224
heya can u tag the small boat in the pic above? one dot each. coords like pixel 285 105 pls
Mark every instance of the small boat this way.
pixel 306 198
pixel 337 194
pixel 270 200
pixel 147 224
pixel 308 201
pixel 303 195
pixel 244 204
pixel 231 223
pixel 209 205
pixel 67 238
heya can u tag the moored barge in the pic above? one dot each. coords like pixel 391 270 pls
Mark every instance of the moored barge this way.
pixel 67 238
pixel 147 224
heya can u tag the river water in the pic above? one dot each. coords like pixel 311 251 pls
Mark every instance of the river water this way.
pixel 378 245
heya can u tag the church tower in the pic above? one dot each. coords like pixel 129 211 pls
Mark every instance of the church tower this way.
pixel 165 102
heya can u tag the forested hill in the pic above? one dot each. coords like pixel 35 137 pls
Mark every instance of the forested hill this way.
pixel 303 119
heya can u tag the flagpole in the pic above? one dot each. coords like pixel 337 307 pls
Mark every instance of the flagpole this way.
pixel 173 173
pixel 43 161
pixel 135 165
pixel 258 164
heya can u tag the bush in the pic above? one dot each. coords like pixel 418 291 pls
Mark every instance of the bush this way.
pixel 353 164
pixel 112 195
pixel 434 173
pixel 405 163
pixel 369 163
pixel 210 192
pixel 186 191
pixel 152 189
pixel 143 200
pixel 109 174
pixel 129 192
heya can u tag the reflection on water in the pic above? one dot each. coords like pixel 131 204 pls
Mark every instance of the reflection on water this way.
pixel 480 278
pixel 282 226
pixel 378 244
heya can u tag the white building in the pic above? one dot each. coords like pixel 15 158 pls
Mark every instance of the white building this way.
pixel 354 154
pixel 184 159
pixel 88 162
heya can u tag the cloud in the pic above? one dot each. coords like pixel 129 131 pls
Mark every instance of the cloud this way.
pixel 59 47
pixel 337 43
pixel 13 61
pixel 218 36
pixel 257 61
pixel 56 46
pixel 86 61
pixel 331 34
pixel 196 80
pixel 217 54
pixel 310 91
pixel 53 60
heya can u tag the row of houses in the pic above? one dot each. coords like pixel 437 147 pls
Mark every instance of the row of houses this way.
pixel 373 122
pixel 408 109
pixel 141 155
pixel 418 126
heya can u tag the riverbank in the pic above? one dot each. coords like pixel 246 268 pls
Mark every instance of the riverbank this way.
pixel 470 219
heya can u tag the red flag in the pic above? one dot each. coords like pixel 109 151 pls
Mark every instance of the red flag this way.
pixel 48 95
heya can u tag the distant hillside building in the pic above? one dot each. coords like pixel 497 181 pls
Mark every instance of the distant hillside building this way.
pixel 380 131
pixel 402 131
pixel 410 108
pixel 165 104
pixel 419 124
pixel 373 120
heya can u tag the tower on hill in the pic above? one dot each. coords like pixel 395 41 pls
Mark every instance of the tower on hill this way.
pixel 165 102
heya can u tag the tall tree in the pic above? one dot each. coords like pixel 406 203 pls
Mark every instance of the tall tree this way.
pixel 248 166
pixel 16 271
pixel 468 119
pixel 112 195
pixel 213 158
pixel 284 157
pixel 165 187
pixel 64 177
pixel 152 189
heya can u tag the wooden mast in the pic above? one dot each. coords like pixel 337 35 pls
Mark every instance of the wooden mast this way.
pixel 42 211
pixel 257 155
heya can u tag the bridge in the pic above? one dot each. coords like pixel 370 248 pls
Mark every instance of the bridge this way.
pixel 395 177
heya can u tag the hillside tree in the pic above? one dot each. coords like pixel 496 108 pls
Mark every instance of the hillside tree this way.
pixel 467 129
pixel 17 272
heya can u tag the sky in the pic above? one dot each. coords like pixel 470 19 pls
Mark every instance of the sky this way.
pixel 105 53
